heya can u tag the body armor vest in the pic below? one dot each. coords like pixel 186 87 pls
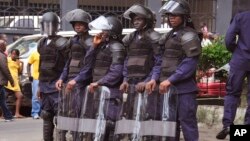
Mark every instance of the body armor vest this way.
pixel 173 54
pixel 102 63
pixel 140 54
pixel 78 52
pixel 52 60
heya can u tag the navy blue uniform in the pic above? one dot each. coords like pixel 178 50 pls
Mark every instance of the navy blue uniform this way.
pixel 239 66
pixel 136 73
pixel 179 65
pixel 49 75
pixel 52 61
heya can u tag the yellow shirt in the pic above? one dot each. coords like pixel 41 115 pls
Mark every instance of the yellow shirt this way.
pixel 13 67
pixel 34 61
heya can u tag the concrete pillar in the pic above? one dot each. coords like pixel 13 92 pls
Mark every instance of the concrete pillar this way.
pixel 223 15
pixel 155 5
pixel 67 5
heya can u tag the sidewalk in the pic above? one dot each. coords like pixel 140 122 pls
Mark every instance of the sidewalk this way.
pixel 207 133
pixel 210 121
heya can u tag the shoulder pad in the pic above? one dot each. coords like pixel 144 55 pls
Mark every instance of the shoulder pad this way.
pixel 89 41
pixel 188 36
pixel 117 46
pixel 128 38
pixel 154 35
pixel 191 43
pixel 163 38
pixel 61 43
pixel 118 52
pixel 40 42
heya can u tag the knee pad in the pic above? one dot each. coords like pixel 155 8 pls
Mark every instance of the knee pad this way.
pixel 45 115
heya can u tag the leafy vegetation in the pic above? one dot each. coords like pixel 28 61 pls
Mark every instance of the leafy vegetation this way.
pixel 214 55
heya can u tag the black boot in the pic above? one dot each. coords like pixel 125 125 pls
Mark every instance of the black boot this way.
pixel 223 133
pixel 48 128
pixel 61 135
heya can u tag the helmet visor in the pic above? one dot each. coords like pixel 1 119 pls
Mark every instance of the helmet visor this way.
pixel 136 9
pixel 169 7
pixel 101 23
pixel 48 28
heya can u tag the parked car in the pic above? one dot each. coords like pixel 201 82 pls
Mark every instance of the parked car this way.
pixel 26 45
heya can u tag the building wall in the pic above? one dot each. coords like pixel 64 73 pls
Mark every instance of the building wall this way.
pixel 223 16
pixel 240 5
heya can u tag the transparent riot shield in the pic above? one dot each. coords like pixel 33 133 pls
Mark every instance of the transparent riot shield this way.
pixel 69 108
pixel 92 123
pixel 129 127
pixel 163 127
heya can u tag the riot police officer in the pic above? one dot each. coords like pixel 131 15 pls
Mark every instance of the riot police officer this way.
pixel 53 55
pixel 77 72
pixel 143 58
pixel 107 71
pixel 181 50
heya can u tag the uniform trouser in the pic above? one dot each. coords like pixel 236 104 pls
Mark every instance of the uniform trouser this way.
pixel 186 114
pixel 49 107
pixel 113 110
pixel 232 99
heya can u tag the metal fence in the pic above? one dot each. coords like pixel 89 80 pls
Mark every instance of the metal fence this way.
pixel 204 11
pixel 25 14
pixel 108 7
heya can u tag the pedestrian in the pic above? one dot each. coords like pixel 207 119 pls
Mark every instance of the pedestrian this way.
pixel 181 50
pixel 142 61
pixel 108 72
pixel 237 42
pixel 16 67
pixel 53 56
pixel 5 76
pixel 4 37
pixel 77 73
pixel 33 61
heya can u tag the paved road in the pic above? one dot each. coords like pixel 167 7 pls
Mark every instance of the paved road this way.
pixel 28 129
pixel 25 129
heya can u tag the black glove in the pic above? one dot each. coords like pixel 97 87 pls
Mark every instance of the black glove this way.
pixel 30 78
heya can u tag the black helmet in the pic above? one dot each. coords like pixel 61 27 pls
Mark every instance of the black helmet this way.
pixel 116 29
pixel 141 11
pixel 110 23
pixel 50 17
pixel 138 10
pixel 78 15
pixel 175 7
pixel 49 23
